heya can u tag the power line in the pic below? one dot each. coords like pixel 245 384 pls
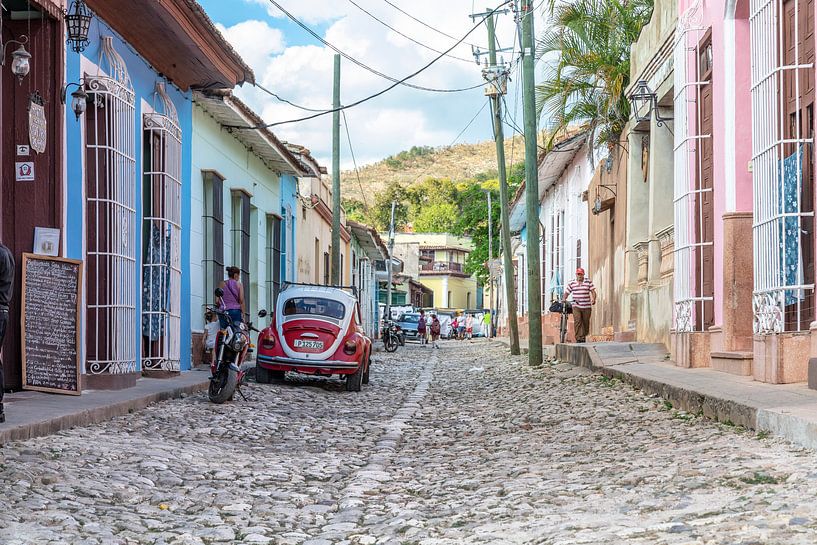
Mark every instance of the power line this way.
pixel 354 161
pixel 409 38
pixel 375 95
pixel 262 88
pixel 410 16
pixel 372 70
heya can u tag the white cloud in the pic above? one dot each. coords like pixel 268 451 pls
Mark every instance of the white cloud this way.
pixel 255 41
pixel 308 11
pixel 399 119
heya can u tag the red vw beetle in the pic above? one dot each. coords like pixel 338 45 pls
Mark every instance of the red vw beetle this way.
pixel 315 330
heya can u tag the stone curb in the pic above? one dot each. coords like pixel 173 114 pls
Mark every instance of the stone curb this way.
pixel 95 415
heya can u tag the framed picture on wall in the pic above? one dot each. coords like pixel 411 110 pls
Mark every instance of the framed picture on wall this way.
pixel 46 241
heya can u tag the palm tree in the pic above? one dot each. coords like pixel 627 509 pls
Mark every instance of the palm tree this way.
pixel 586 82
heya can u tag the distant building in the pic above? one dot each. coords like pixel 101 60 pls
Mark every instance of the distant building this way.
pixel 437 260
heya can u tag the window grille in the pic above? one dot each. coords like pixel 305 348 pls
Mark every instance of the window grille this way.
pixel 273 259
pixel 693 163
pixel 110 179
pixel 213 234
pixel 543 271
pixel 782 53
pixel 161 236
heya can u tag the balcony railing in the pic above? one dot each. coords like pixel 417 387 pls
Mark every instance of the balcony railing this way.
pixel 442 267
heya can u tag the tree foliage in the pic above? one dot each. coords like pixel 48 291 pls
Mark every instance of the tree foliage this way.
pixel 442 205
pixel 587 83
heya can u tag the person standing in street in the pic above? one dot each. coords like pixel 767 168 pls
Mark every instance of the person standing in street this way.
pixel 435 331
pixel 486 321
pixel 6 290
pixel 469 327
pixel 421 328
pixel 584 297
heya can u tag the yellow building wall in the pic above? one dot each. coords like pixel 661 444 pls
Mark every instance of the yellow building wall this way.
pixel 460 289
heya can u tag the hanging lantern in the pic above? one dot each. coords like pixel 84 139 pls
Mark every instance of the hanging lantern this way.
pixel 78 21
pixel 20 65
pixel 79 101
pixel 79 98
pixel 642 99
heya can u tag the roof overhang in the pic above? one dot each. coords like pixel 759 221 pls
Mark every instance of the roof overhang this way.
pixel 556 161
pixel 229 111
pixel 551 168
pixel 369 240
pixel 178 39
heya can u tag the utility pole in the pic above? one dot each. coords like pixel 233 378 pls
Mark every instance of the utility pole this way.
pixel 497 78
pixel 337 279
pixel 531 187
pixel 389 262
pixel 490 268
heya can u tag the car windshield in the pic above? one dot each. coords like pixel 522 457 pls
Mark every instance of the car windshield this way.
pixel 409 318
pixel 315 306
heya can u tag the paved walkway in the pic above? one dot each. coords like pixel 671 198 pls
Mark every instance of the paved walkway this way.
pixel 33 414
pixel 786 410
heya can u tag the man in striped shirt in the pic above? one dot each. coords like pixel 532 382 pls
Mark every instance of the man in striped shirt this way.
pixel 584 297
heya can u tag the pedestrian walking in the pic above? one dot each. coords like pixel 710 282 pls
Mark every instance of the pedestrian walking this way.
pixel 454 329
pixel 6 292
pixel 469 327
pixel 584 297
pixel 232 300
pixel 435 331
pixel 486 322
pixel 461 327
pixel 421 328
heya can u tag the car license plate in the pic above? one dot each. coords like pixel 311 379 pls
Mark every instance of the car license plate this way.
pixel 299 343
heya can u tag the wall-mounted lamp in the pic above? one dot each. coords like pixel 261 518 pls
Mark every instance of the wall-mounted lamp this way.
pixel 643 98
pixel 78 21
pixel 79 98
pixel 20 65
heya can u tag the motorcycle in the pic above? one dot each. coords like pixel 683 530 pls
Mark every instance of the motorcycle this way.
pixel 232 345
pixel 392 334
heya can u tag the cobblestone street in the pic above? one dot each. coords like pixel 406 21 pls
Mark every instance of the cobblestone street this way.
pixel 459 445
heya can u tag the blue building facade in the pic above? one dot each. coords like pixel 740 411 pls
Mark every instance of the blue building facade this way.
pixel 128 181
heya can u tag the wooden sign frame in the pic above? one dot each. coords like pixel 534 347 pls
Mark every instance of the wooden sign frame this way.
pixel 26 258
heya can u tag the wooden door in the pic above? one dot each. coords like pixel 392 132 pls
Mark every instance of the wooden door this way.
pixel 704 207
pixel 798 93
pixel 38 203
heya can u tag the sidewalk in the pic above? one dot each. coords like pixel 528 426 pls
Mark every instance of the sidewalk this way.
pixel 786 410
pixel 33 414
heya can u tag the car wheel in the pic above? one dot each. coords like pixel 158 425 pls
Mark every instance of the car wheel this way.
pixel 354 380
pixel 368 368
pixel 262 375
pixel 279 376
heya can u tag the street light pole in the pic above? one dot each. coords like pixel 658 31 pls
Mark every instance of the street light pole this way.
pixel 490 267
pixel 337 276
pixel 389 261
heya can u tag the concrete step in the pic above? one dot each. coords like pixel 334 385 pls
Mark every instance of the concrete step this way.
pixel 734 363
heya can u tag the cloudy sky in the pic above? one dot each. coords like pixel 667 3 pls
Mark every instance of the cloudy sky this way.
pixel 297 67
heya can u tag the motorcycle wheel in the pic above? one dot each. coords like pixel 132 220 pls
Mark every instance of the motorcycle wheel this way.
pixel 390 343
pixel 222 386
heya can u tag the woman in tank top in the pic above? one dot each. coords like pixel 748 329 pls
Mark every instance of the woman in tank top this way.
pixel 233 299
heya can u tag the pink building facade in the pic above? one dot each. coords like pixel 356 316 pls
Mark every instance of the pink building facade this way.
pixel 744 195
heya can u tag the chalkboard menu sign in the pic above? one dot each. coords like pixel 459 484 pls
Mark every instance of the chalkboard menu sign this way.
pixel 51 299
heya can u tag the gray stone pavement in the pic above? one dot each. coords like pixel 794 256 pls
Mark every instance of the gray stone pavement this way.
pixel 459 445
pixel 785 410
